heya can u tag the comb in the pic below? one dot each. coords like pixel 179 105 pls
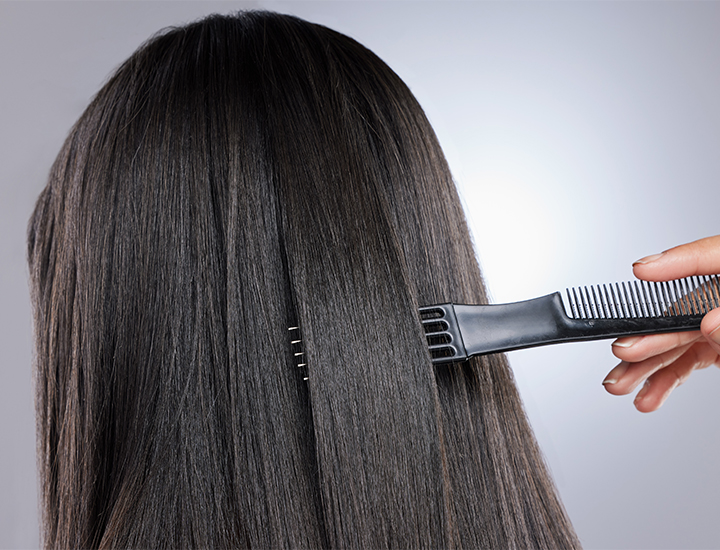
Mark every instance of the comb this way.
pixel 457 332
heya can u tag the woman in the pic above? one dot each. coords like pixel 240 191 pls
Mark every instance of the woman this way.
pixel 235 178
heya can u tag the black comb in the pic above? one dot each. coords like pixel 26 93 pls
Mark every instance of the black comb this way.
pixel 457 332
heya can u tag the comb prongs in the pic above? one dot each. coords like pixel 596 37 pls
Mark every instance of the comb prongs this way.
pixel 692 296
pixel 675 304
pixel 659 292
pixel 652 287
pixel 702 296
pixel 595 304
pixel 618 313
pixel 641 300
pixel 696 297
pixel 628 301
pixel 711 291
pixel 577 304
pixel 588 314
pixel 655 300
pixel 623 308
pixel 638 301
pixel 683 297
pixel 646 300
pixel 609 304
pixel 658 299
pixel 707 294
pixel 297 350
pixel 714 288
pixel 689 296
pixel 698 293
pixel 632 300
pixel 647 292
pixel 669 297
pixel 635 299
pixel 702 292
pixel 571 305
pixel 667 302
pixel 601 305
pixel 632 286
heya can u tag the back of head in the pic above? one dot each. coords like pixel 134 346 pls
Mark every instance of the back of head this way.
pixel 236 177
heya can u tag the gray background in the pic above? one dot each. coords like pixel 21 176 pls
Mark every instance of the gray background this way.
pixel 582 136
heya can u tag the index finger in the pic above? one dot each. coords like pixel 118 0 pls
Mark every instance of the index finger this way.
pixel 701 257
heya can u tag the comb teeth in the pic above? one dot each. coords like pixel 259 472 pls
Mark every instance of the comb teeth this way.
pixel 441 332
pixel 641 299
pixel 297 349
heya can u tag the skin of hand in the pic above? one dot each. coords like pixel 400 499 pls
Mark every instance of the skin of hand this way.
pixel 662 362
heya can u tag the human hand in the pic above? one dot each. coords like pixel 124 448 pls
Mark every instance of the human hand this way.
pixel 664 361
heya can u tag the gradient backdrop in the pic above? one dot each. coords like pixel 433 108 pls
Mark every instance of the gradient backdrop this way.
pixel 582 136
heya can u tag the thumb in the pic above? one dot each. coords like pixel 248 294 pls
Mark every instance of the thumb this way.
pixel 710 329
pixel 696 258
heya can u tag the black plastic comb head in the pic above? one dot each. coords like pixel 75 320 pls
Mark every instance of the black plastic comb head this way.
pixel 442 333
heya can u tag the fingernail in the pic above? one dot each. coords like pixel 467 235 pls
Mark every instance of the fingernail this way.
pixel 643 391
pixel 626 342
pixel 616 374
pixel 649 259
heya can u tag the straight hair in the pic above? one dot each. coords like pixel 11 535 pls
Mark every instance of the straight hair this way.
pixel 235 177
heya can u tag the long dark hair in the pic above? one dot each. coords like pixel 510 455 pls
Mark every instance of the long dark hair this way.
pixel 236 177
